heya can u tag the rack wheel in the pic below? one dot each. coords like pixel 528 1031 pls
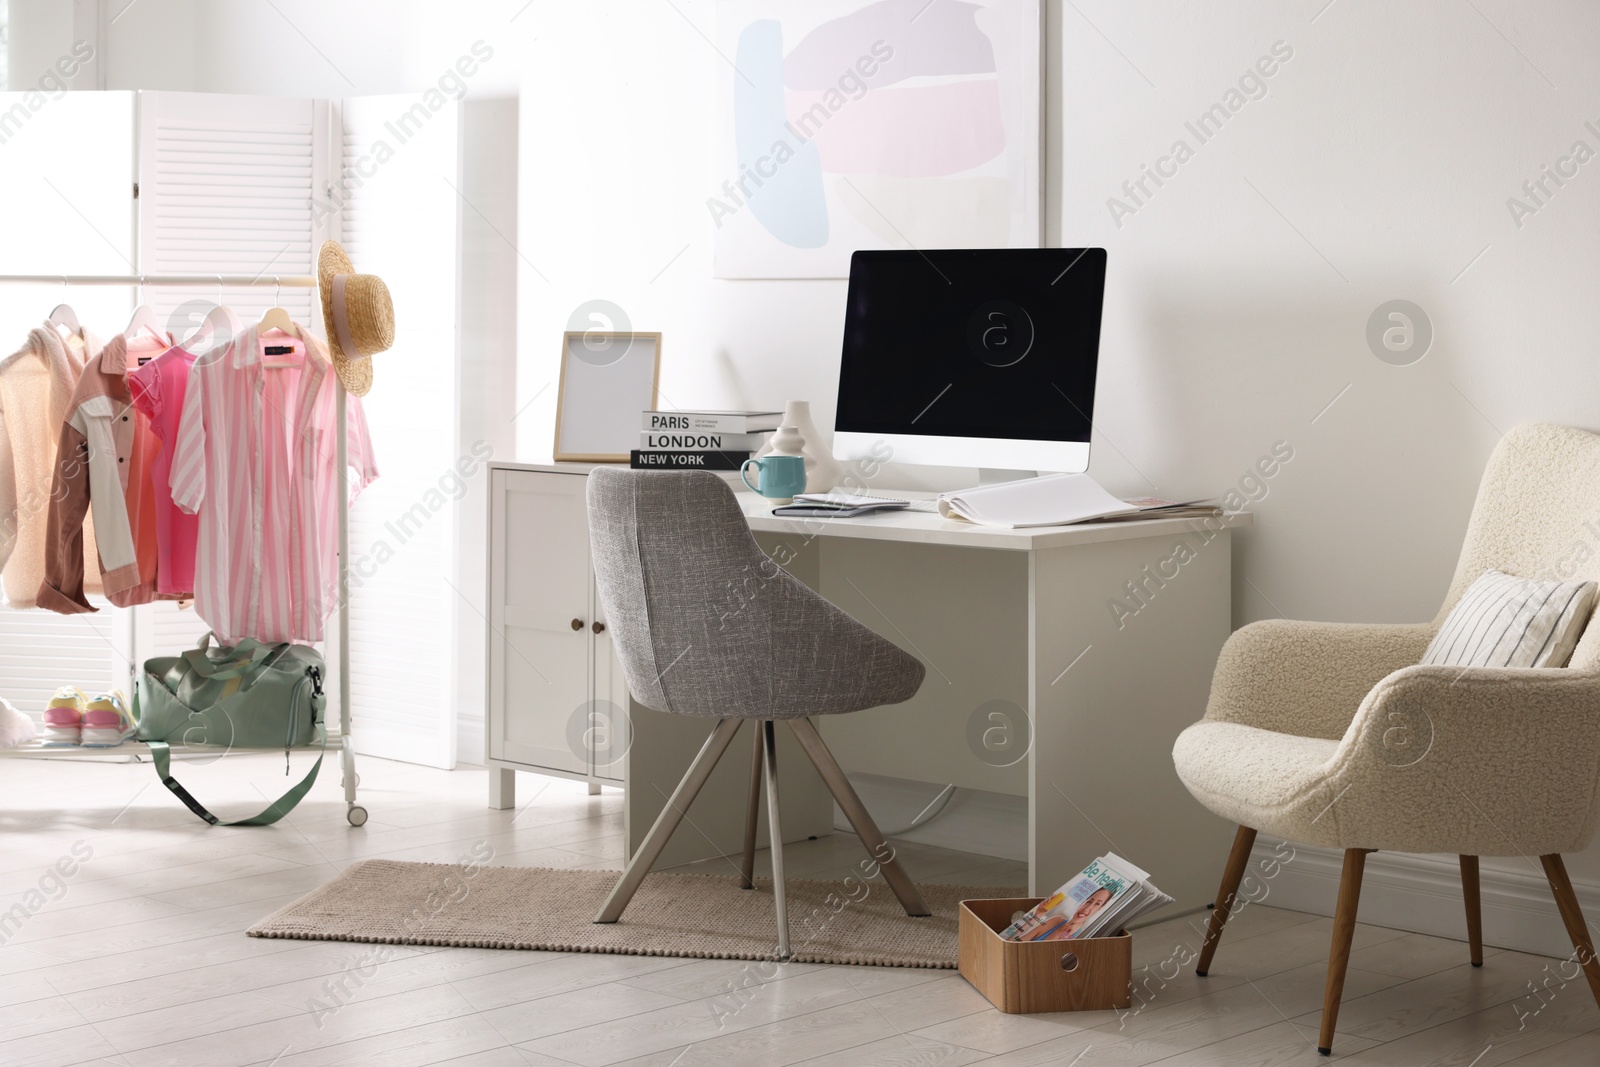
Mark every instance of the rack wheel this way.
pixel 357 815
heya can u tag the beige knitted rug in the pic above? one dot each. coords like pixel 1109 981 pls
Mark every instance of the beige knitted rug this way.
pixel 839 921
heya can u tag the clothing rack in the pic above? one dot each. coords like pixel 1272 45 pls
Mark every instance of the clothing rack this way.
pixel 356 814
pixel 288 281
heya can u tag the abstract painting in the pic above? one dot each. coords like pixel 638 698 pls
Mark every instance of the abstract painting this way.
pixel 874 124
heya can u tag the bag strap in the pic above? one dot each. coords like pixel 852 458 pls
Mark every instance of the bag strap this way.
pixel 241 658
pixel 160 752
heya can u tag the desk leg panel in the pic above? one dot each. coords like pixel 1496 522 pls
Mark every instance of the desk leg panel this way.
pixel 1124 636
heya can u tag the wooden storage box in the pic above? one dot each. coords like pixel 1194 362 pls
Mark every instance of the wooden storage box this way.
pixel 1021 977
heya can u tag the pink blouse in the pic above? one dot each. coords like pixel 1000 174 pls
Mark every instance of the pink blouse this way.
pixel 158 390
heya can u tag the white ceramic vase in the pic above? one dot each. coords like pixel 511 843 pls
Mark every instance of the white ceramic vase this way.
pixel 798 435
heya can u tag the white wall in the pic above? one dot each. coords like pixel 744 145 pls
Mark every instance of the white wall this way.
pixel 1377 166
pixel 1387 144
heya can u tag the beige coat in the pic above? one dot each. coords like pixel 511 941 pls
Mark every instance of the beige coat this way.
pixel 36 385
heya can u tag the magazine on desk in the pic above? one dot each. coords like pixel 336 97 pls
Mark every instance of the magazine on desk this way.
pixel 838 505
pixel 1102 899
pixel 1058 500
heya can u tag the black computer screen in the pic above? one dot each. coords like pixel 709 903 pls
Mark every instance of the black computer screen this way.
pixel 997 343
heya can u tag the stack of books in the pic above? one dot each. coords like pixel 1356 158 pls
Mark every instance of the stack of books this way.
pixel 1105 897
pixel 701 440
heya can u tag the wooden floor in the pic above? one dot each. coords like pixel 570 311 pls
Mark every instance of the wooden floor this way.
pixel 138 958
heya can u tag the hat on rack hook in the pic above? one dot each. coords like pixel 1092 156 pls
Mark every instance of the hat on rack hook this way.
pixel 357 316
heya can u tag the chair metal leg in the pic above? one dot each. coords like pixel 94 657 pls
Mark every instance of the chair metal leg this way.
pixel 843 792
pixel 668 820
pixel 775 832
pixel 1344 929
pixel 1232 875
pixel 1571 914
pixel 1469 894
pixel 747 870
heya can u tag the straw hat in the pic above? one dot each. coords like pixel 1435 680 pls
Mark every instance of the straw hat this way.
pixel 357 317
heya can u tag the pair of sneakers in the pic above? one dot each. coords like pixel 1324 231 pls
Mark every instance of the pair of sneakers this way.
pixel 75 719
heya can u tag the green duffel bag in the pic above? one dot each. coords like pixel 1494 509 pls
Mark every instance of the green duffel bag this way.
pixel 250 696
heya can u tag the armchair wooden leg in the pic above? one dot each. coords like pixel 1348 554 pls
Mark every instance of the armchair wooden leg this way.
pixel 1469 893
pixel 1232 875
pixel 1571 914
pixel 1344 929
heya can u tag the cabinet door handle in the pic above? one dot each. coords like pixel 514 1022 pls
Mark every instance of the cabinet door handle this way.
pixel 577 624
pixel 599 627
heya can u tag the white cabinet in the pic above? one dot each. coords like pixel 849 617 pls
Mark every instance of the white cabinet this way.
pixel 555 689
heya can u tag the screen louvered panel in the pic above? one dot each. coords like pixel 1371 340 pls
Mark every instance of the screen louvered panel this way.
pixel 171 630
pixel 228 186
pixel 40 652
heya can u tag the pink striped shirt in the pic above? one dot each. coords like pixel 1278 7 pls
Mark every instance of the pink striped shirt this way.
pixel 255 459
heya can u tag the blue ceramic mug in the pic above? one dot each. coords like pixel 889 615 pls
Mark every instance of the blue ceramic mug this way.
pixel 779 477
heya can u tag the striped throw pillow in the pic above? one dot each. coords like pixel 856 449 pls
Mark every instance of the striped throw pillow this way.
pixel 1501 621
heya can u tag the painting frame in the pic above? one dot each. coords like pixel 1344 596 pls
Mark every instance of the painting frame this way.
pixel 594 387
pixel 875 168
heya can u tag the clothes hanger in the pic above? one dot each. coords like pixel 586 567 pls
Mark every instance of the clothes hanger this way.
pixel 65 317
pixel 280 355
pixel 217 328
pixel 221 326
pixel 144 318
pixel 276 317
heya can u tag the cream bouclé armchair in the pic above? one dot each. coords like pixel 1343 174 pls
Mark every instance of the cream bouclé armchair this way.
pixel 1331 734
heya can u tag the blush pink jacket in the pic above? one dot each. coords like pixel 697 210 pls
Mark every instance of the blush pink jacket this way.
pixel 36 385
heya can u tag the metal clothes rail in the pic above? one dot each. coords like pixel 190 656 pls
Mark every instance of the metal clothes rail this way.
pixel 287 281
pixel 356 814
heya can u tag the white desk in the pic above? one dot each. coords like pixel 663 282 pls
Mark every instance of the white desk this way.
pixel 1016 623
pixel 1019 622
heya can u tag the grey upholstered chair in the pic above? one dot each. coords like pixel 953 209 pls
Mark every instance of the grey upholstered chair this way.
pixel 705 623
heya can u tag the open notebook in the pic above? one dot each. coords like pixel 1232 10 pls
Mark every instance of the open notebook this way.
pixel 1057 500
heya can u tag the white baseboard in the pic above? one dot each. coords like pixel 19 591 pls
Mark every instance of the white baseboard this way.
pixel 989 824
pixel 1423 894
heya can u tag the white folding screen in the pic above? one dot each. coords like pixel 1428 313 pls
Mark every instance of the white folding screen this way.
pixel 395 207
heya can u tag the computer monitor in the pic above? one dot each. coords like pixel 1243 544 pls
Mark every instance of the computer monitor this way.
pixel 971 357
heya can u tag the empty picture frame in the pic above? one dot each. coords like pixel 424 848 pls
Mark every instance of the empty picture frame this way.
pixel 607 380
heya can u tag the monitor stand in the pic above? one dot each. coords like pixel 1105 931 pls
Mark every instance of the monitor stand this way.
pixel 999 475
